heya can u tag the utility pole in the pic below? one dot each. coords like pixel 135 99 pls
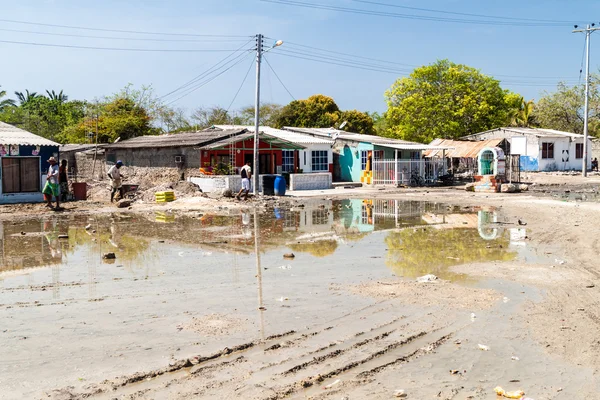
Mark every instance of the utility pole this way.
pixel 255 172
pixel 588 31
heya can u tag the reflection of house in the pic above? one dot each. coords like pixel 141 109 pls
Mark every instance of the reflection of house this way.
pixel 23 158
pixel 352 151
pixel 540 149
pixel 315 157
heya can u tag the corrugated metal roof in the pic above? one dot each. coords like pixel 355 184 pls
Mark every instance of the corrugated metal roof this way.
pixel 343 135
pixel 264 137
pixel 461 148
pixel 539 132
pixel 412 146
pixel 295 137
pixel 78 147
pixel 10 134
pixel 184 139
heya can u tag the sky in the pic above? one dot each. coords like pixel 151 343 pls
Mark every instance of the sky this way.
pixel 528 57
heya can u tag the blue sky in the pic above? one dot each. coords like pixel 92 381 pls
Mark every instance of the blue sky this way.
pixel 530 59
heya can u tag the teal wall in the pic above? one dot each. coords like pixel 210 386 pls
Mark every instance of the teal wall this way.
pixel 350 168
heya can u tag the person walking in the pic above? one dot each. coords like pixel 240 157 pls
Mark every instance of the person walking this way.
pixel 63 180
pixel 52 187
pixel 114 174
pixel 595 164
pixel 246 174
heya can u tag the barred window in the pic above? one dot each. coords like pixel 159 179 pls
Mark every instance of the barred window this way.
pixel 319 160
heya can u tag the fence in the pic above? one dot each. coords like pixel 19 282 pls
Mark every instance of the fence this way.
pixel 408 172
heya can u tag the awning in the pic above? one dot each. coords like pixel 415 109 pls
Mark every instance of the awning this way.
pixel 414 147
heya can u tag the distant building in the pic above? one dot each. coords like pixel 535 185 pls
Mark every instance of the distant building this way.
pixel 541 149
pixel 23 164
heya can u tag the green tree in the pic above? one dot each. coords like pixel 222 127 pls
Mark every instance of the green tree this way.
pixel 269 113
pixel 26 97
pixel 521 113
pixel 5 103
pixel 563 109
pixel 444 100
pixel 58 97
pixel 320 111
pixel 205 117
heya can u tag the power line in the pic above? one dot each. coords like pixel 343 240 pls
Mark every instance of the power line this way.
pixel 117 48
pixel 201 75
pixel 359 11
pixel 204 83
pixel 463 14
pixel 121 38
pixel 240 88
pixel 281 53
pixel 120 30
pixel 278 78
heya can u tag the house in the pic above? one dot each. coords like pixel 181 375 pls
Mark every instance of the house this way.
pixel 23 164
pixel 354 152
pixel 462 154
pixel 84 161
pixel 316 155
pixel 540 149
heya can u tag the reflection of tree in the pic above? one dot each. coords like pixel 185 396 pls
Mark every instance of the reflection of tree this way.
pixel 320 248
pixel 416 252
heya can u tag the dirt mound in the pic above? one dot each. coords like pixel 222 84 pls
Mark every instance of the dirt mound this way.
pixel 214 325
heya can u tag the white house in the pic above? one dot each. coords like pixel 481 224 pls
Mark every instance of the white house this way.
pixel 541 149
pixel 317 155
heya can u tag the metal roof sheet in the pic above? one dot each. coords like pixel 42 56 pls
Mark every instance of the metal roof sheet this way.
pixel 184 139
pixel 294 137
pixel 10 134
pixel 343 135
pixel 226 142
pixel 461 148
pixel 539 132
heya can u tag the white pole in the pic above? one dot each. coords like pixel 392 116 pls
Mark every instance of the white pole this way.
pixel 587 95
pixel 396 167
pixel 255 175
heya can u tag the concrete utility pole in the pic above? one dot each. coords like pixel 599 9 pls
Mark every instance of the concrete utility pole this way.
pixel 588 31
pixel 255 169
pixel 259 53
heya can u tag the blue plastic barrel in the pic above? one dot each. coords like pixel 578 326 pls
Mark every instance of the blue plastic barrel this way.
pixel 280 185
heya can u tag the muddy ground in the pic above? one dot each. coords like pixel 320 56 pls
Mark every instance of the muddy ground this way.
pixel 190 321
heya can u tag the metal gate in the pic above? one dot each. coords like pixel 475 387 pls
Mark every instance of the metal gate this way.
pixel 513 168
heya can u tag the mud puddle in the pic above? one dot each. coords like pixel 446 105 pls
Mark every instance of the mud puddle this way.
pixel 185 286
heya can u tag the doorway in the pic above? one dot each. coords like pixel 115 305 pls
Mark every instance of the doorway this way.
pixel 264 164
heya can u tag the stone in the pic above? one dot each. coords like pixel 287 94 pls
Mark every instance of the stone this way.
pixel 289 255
pixel 470 187
pixel 508 188
pixel 227 193
pixel 523 187
pixel 109 256
pixel 123 203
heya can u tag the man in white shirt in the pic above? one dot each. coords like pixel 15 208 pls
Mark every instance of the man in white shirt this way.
pixel 52 188
pixel 114 174
pixel 246 174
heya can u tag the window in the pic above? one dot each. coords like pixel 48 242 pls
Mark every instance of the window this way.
pixel 319 160
pixel 364 156
pixel 415 155
pixel 217 159
pixel 320 217
pixel 287 161
pixel 378 155
pixel 578 150
pixel 547 150
pixel 20 174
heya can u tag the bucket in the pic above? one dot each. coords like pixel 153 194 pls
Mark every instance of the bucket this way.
pixel 279 186
pixel 79 190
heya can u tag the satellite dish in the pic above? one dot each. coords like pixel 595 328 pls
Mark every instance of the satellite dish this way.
pixel 335 135
pixel 343 125
pixel 119 138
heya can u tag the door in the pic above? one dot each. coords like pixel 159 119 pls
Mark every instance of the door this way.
pixel 264 164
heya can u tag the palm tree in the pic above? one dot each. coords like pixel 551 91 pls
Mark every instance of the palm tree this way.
pixel 523 116
pixel 60 97
pixel 27 97
pixel 4 104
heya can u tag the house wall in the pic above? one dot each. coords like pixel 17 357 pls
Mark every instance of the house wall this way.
pixel 84 166
pixel 244 149
pixel 154 157
pixel 348 158
pixel 313 181
pixel 305 157
pixel 43 153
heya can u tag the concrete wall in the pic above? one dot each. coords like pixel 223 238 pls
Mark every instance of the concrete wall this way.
pixel 154 157
pixel 84 166
pixel 314 181
pixel 305 157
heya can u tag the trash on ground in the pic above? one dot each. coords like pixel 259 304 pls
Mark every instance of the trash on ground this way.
pixel 515 394
pixel 591 285
pixel 514 358
pixel 473 316
pixel 400 393
pixel 285 267
pixel 289 255
pixel 63 236
pixel 561 262
pixel 282 298
pixel 109 256
pixel 427 278
pixel 262 308
pixel 332 384
pixel 483 347
pixel 88 227
pixel 506 300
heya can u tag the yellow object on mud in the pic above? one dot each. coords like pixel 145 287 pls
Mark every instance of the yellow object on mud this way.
pixel 163 197
pixel 515 394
